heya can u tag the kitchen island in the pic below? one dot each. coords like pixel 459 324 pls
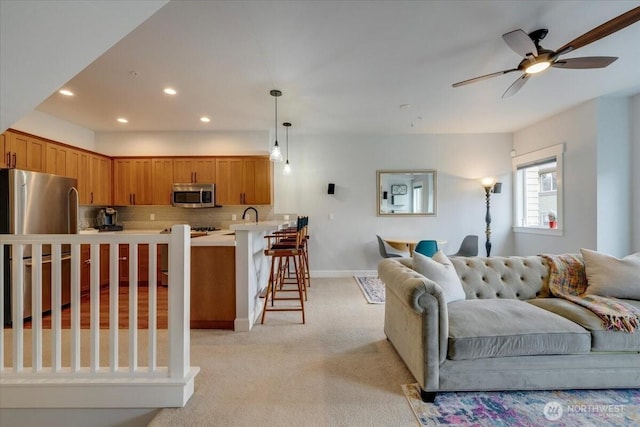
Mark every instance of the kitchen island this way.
pixel 228 272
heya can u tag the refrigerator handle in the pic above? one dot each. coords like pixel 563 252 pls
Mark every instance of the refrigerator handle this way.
pixel 23 196
pixel 72 210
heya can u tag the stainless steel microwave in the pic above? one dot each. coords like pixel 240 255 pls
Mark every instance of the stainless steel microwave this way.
pixel 192 195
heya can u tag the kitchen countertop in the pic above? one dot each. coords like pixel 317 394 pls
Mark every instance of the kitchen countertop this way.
pixel 215 238
pixel 261 226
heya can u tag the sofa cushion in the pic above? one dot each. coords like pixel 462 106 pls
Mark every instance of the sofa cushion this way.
pixel 508 327
pixel 601 338
pixel 609 276
pixel 440 270
pixel 520 278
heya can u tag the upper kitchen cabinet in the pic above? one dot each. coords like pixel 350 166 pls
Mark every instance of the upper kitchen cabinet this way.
pixel 58 160
pixel 162 174
pixel 98 191
pixel 132 182
pixel 3 150
pixel 243 180
pixel 24 152
pixel 201 170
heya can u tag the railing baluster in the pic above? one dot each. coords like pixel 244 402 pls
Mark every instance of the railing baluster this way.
pixel 114 283
pixel 94 322
pixel 56 307
pixel 75 307
pixel 17 306
pixel 133 307
pixel 36 307
pixel 153 308
pixel 2 285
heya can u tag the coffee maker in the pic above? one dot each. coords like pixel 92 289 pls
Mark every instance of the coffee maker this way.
pixel 107 220
pixel 110 216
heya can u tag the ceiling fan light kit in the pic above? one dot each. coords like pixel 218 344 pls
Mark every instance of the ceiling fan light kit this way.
pixel 537 59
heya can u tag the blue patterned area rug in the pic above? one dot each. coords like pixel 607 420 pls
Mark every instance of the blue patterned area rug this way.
pixel 372 288
pixel 568 408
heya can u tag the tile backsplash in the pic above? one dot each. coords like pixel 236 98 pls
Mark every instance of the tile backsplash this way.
pixel 139 217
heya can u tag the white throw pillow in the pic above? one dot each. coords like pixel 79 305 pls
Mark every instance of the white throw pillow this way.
pixel 440 270
pixel 608 276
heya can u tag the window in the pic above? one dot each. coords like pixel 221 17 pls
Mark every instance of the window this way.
pixel 417 198
pixel 538 191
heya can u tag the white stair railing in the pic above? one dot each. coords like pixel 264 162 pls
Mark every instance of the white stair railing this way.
pixel 61 379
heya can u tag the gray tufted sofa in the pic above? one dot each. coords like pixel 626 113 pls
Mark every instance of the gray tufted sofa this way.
pixel 508 334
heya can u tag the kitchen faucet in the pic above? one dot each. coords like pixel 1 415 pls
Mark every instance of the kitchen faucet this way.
pixel 250 208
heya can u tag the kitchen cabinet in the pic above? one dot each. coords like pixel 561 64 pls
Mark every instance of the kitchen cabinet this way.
pixel 56 159
pixel 132 182
pixel 202 170
pixel 162 173
pixel 243 181
pixel 24 152
pixel 3 150
pixel 85 268
pixel 100 180
pixel 143 265
pixel 213 287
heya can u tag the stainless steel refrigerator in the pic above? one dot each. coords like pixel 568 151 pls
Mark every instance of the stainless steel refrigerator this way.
pixel 36 203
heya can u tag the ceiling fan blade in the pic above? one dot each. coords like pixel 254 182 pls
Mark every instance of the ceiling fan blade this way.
pixel 486 76
pixel 516 86
pixel 520 43
pixel 601 31
pixel 585 62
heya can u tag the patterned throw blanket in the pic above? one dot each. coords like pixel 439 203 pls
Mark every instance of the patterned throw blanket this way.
pixel 568 280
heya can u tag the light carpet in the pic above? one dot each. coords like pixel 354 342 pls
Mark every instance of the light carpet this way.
pixel 372 288
pixel 566 408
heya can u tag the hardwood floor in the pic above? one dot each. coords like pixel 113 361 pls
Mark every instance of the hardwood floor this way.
pixel 123 312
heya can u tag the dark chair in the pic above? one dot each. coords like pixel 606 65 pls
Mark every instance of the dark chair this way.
pixel 427 247
pixel 388 251
pixel 468 247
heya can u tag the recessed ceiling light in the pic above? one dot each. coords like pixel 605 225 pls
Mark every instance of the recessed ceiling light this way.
pixel 122 120
pixel 405 106
pixel 205 119
pixel 65 92
pixel 170 91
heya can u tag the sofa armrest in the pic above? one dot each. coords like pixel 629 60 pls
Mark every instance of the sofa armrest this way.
pixel 416 320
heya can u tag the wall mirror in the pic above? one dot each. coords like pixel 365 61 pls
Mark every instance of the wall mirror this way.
pixel 406 192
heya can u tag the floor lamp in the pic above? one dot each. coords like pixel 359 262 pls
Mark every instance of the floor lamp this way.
pixel 490 186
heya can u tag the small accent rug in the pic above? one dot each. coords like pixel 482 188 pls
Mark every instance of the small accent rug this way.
pixel 566 408
pixel 372 288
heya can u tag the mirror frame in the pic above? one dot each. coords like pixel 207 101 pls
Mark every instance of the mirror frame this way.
pixel 379 191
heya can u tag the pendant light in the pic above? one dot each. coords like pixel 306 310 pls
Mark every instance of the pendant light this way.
pixel 276 155
pixel 287 166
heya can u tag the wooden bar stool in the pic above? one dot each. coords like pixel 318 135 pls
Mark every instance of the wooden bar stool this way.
pixel 289 235
pixel 284 252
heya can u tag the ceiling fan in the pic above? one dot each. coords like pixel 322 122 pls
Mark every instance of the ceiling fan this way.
pixel 537 58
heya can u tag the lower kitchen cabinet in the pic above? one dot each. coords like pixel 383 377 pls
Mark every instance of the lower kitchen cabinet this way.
pixel 85 267
pixel 213 287
pixel 143 265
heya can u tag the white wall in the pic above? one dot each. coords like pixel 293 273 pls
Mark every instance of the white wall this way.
pixel 614 175
pixel 347 243
pixel 46 126
pixel 635 173
pixel 182 143
pixel 577 129
pixel 598 183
